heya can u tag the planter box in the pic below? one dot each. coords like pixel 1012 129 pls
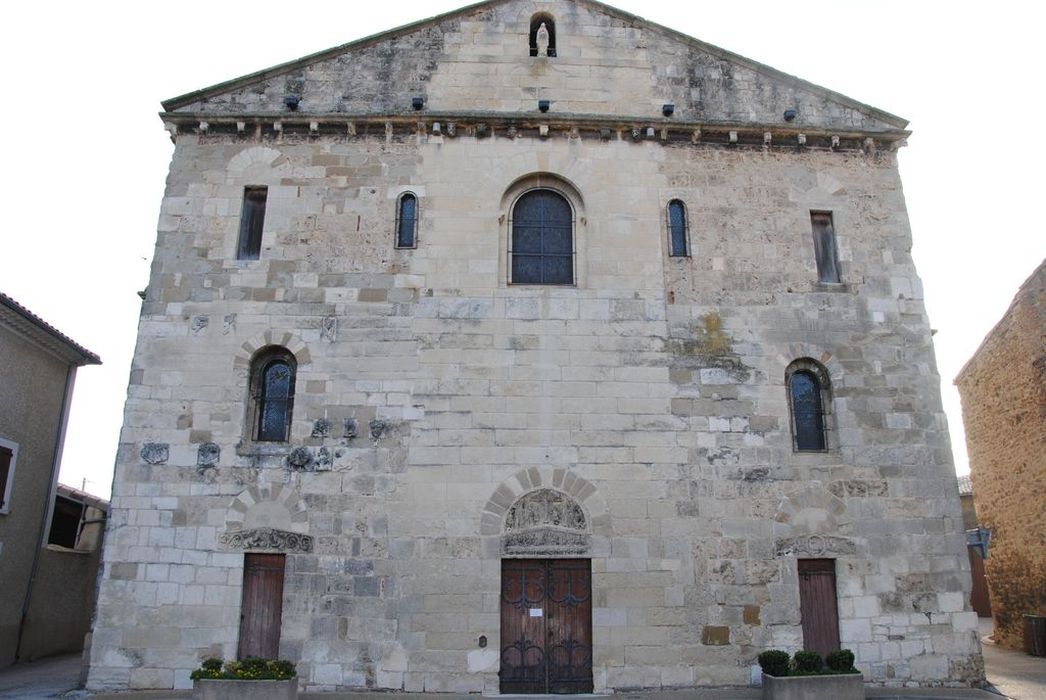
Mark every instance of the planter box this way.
pixel 847 686
pixel 206 689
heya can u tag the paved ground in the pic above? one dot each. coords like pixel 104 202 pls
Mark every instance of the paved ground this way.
pixel 49 678
pixel 1012 674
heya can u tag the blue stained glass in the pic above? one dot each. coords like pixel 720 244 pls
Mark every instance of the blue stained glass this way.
pixel 407 221
pixel 805 393
pixel 274 402
pixel 677 228
pixel 542 239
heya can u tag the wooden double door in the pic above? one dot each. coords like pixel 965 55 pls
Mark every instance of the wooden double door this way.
pixel 546 626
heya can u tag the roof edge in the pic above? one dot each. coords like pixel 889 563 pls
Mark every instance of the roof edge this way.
pixel 1040 269
pixel 74 352
pixel 174 103
pixel 898 122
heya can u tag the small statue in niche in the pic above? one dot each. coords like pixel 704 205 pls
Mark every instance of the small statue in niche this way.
pixel 542 40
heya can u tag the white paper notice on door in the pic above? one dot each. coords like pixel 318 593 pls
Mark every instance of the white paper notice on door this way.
pixel 536 612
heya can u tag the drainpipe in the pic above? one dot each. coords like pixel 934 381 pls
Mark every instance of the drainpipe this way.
pixel 56 461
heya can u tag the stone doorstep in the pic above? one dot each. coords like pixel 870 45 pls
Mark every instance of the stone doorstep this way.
pixel 930 693
pixel 734 693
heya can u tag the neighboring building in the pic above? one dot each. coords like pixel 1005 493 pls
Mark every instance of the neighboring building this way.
pixel 1003 392
pixel 977 543
pixel 480 355
pixel 65 586
pixel 36 386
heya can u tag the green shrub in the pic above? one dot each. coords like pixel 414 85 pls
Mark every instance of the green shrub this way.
pixel 841 661
pixel 252 668
pixel 283 668
pixel 774 662
pixel 807 663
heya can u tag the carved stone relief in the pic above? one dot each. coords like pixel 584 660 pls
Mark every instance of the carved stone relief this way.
pixel 155 452
pixel 208 454
pixel 543 523
pixel 267 538
pixel 815 545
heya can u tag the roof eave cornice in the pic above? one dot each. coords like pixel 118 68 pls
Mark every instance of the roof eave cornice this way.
pixel 202 121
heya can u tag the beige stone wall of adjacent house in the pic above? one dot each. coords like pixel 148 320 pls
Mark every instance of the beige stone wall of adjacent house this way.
pixel 431 395
pixel 1003 391
pixel 32 391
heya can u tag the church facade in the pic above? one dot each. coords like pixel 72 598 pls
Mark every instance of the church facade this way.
pixel 532 348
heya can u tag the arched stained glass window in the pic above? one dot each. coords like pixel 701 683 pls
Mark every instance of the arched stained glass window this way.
pixel 542 239
pixel 407 221
pixel 807 397
pixel 677 229
pixel 272 395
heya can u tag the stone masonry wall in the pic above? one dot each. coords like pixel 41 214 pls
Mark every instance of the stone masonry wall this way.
pixel 1003 392
pixel 431 395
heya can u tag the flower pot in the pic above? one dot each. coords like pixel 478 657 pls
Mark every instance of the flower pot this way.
pixel 846 686
pixel 210 689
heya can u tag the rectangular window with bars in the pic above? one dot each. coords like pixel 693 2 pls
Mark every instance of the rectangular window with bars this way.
pixel 252 219
pixel 825 251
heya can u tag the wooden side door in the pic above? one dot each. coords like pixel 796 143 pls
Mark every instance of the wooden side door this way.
pixel 569 626
pixel 979 599
pixel 546 626
pixel 523 667
pixel 261 606
pixel 818 605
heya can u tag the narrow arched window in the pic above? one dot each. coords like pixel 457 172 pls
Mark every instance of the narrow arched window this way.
pixel 272 395
pixel 407 221
pixel 678 245
pixel 538 39
pixel 542 240
pixel 808 400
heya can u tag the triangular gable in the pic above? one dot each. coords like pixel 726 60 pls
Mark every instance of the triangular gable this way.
pixel 475 60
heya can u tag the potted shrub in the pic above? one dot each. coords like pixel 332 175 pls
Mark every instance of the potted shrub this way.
pixel 805 677
pixel 251 679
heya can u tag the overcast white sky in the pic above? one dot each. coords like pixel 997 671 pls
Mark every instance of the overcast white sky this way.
pixel 85 156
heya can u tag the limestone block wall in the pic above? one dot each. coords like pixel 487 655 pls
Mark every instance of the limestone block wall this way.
pixel 1003 392
pixel 432 395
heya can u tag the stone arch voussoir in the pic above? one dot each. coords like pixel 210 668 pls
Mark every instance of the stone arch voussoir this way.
pixel 254 156
pixel 798 351
pixel 270 517
pixel 284 339
pixel 530 482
